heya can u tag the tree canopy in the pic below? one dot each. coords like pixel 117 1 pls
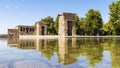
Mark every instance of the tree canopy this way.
pixel 56 25
pixel 50 24
pixel 92 23
pixel 115 16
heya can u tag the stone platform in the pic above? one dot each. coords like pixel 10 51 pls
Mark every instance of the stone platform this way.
pixel 56 36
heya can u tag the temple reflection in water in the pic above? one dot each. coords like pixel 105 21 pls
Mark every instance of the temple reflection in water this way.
pixel 69 50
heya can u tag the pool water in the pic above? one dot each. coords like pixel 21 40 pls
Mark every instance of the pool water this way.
pixel 60 53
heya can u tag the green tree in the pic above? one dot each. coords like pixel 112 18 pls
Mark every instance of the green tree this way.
pixel 115 16
pixel 77 24
pixel 82 26
pixel 50 24
pixel 56 25
pixel 93 22
pixel 108 29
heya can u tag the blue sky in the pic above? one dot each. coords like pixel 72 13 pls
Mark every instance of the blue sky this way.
pixel 27 12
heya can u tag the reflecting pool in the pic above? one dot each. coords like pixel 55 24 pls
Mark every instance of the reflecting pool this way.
pixel 60 53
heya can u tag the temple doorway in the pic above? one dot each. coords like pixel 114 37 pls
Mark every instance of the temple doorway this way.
pixel 69 31
pixel 67 24
pixel 43 29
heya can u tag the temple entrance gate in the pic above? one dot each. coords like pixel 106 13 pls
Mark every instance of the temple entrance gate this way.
pixel 43 29
pixel 66 24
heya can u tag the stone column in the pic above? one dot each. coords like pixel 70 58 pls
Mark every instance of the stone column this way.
pixel 66 28
pixel 45 32
pixel 37 29
pixel 61 28
pixel 40 30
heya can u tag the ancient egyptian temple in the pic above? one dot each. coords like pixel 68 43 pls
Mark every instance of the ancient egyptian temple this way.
pixel 40 28
pixel 66 27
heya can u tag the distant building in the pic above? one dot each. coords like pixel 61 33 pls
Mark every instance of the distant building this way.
pixel 40 28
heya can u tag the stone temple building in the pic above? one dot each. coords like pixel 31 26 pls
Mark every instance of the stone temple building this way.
pixel 66 27
pixel 25 30
pixel 67 24
pixel 40 28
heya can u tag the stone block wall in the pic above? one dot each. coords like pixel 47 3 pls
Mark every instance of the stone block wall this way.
pixel 63 24
pixel 39 30
pixel 13 31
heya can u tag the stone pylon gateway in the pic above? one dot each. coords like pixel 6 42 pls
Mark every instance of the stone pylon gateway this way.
pixel 41 28
pixel 66 24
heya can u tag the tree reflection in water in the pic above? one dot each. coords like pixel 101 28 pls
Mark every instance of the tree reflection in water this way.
pixel 70 49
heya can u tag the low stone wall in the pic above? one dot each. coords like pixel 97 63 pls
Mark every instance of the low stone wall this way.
pixel 56 36
pixel 38 36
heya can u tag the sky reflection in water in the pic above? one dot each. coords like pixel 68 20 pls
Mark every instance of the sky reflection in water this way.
pixel 60 53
